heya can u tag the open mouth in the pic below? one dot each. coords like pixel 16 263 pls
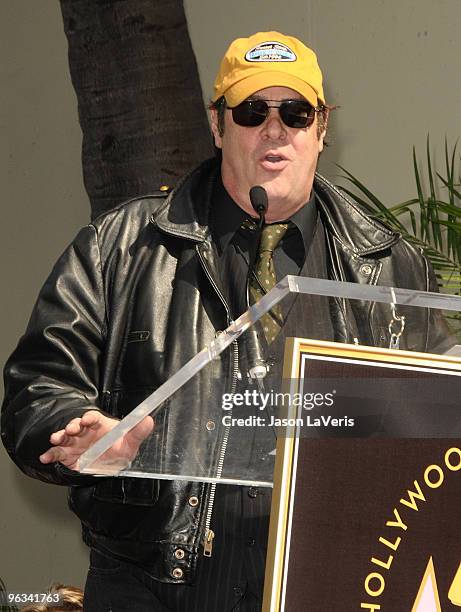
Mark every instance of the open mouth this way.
pixel 273 161
pixel 274 158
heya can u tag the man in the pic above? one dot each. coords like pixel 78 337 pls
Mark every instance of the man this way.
pixel 147 285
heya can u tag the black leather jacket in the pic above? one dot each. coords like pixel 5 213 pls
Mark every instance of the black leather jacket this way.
pixel 139 286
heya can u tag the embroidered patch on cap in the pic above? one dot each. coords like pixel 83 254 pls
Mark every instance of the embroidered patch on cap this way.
pixel 270 52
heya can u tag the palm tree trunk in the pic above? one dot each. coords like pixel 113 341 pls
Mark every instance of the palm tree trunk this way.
pixel 139 97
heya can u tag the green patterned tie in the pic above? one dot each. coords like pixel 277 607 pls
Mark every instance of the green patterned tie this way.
pixel 265 273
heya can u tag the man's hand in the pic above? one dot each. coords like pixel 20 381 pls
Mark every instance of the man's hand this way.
pixel 81 433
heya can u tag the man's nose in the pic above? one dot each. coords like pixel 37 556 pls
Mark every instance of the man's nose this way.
pixel 273 127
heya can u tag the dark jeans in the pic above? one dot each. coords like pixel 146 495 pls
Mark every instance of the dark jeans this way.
pixel 115 586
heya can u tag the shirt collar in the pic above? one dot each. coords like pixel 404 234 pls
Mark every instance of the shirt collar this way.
pixel 305 220
pixel 227 217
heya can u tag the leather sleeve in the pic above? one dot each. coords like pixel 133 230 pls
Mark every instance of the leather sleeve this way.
pixel 53 375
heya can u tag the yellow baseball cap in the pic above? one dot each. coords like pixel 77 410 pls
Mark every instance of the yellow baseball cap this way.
pixel 268 59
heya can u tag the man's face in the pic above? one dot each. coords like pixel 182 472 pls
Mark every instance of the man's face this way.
pixel 281 159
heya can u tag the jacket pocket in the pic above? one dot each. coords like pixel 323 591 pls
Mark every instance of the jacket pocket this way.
pixel 120 402
pixel 138 336
pixel 133 491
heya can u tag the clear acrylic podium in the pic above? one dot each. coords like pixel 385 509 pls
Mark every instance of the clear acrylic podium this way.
pixel 218 415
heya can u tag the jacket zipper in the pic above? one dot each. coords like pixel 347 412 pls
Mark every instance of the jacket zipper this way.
pixel 209 534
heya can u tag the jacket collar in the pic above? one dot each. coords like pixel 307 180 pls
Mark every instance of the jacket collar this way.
pixel 351 226
pixel 185 213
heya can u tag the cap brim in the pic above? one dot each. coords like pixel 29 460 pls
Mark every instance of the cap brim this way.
pixel 244 88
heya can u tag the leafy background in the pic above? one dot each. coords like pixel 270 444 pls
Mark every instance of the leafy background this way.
pixel 430 220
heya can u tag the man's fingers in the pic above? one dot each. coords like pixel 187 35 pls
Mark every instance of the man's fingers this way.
pixel 63 455
pixel 46 457
pixel 74 427
pixel 53 454
pixel 141 430
pixel 78 435
pixel 63 437
pixel 93 419
pixel 69 443
pixel 58 437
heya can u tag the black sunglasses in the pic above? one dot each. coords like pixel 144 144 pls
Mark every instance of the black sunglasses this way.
pixel 293 113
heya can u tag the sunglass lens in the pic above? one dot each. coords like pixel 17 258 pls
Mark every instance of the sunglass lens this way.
pixel 250 113
pixel 297 113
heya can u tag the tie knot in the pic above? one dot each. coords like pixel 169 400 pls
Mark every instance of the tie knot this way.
pixel 271 236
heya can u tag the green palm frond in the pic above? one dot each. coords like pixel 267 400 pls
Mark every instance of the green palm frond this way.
pixel 431 220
